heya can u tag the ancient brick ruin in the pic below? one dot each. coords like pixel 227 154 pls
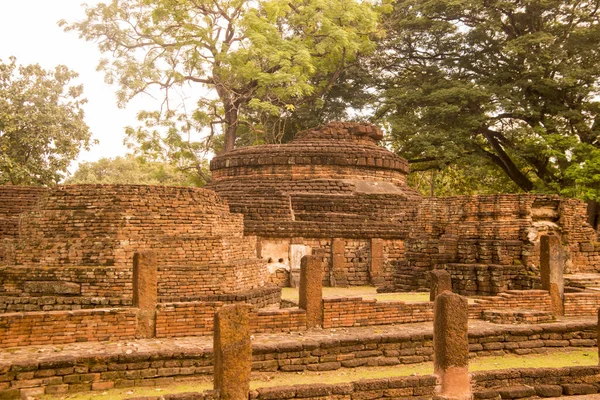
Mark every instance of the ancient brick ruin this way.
pixel 329 188
pixel 335 192
pixel 104 263
pixel 80 240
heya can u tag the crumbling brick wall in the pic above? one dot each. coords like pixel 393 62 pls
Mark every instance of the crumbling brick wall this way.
pixel 73 228
pixel 467 233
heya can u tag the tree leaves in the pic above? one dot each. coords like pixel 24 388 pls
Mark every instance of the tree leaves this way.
pixel 41 123
pixel 513 85
pixel 248 64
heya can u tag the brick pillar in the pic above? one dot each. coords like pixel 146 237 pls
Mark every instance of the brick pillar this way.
pixel 145 293
pixel 338 261
pixel 376 264
pixel 552 264
pixel 451 346
pixel 311 290
pixel 232 351
pixel 440 282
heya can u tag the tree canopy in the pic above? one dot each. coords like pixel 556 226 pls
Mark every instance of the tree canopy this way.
pixel 246 65
pixel 41 123
pixel 511 85
pixel 130 170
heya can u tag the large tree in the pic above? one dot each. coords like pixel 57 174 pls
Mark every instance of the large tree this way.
pixel 41 123
pixel 509 84
pixel 246 65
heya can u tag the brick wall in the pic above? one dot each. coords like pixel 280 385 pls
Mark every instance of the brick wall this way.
pixel 15 200
pixel 197 319
pixel 101 287
pixel 581 304
pixel 583 242
pixel 538 300
pixel 355 311
pixel 259 298
pixel 489 279
pixel 187 282
pixel 106 282
pixel 61 327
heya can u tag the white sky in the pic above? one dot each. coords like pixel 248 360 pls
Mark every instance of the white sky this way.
pixel 29 31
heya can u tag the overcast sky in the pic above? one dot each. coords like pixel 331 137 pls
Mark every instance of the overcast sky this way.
pixel 29 31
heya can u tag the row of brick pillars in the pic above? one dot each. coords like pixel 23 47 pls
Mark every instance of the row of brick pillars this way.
pixel 233 349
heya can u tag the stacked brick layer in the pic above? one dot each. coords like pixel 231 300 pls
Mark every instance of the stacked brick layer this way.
pixel 199 244
pixel 333 181
pixel 15 200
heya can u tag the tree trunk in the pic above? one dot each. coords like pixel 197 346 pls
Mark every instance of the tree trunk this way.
pixel 230 108
pixel 231 124
pixel 503 161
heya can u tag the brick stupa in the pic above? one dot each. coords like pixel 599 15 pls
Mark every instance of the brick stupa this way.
pixel 331 181
pixel 199 244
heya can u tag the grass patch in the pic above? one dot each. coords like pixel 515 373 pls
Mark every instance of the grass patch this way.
pixel 366 292
pixel 554 359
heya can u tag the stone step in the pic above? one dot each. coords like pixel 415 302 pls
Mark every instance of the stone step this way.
pixel 517 316
pixel 582 280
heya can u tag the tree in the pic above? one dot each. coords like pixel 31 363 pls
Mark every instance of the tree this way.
pixel 513 85
pixel 250 64
pixel 41 123
pixel 130 170
pixel 464 177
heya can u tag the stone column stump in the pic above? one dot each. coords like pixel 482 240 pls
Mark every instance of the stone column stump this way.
pixel 598 335
pixel 145 293
pixel 311 290
pixel 232 351
pixel 451 346
pixel 552 264
pixel 440 282
pixel 376 264
pixel 338 261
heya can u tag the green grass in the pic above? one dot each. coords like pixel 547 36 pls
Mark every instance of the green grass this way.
pixel 366 292
pixel 554 359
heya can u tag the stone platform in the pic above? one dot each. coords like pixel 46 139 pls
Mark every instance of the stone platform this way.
pixel 102 365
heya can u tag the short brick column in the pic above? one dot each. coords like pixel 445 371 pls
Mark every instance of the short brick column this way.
pixel 232 351
pixel 552 264
pixel 598 336
pixel 440 282
pixel 311 290
pixel 376 264
pixel 338 262
pixel 451 346
pixel 145 293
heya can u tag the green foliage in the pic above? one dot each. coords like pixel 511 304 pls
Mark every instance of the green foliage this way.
pixel 496 84
pixel 41 123
pixel 464 177
pixel 130 170
pixel 250 65
pixel 585 175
